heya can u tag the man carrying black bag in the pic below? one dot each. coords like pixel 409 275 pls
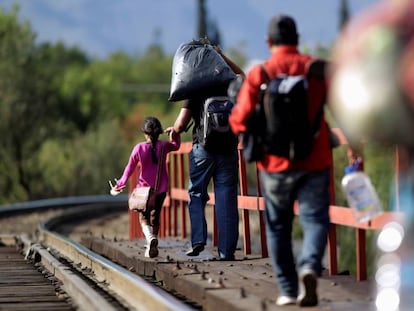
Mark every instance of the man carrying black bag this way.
pixel 218 161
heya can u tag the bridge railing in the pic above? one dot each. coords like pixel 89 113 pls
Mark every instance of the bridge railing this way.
pixel 174 215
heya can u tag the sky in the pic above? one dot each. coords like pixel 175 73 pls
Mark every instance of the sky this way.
pixel 101 27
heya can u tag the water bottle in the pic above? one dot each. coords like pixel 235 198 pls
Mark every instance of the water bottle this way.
pixel 360 194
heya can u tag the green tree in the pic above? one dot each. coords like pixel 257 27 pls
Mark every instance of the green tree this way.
pixel 150 78
pixel 19 112
pixel 50 96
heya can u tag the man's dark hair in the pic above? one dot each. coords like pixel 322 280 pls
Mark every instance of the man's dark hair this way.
pixel 282 30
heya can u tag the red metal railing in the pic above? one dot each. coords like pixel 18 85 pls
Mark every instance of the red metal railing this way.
pixel 174 216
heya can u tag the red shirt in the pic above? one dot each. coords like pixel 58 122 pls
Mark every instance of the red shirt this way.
pixel 285 60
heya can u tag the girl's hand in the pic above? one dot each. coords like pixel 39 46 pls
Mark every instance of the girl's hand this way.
pixel 115 189
pixel 170 131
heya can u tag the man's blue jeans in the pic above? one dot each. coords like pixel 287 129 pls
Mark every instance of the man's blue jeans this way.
pixel 280 190
pixel 223 169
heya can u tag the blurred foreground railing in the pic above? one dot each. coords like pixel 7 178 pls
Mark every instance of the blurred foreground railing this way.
pixel 174 216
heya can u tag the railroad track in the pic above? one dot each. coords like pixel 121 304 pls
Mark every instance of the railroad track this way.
pixel 203 284
pixel 91 281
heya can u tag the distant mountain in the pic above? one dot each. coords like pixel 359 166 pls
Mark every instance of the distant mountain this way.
pixel 102 27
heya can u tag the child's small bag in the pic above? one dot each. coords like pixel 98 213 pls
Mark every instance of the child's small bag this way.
pixel 143 197
pixel 140 198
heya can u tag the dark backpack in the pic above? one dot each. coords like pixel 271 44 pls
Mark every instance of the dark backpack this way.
pixel 288 132
pixel 214 132
pixel 280 124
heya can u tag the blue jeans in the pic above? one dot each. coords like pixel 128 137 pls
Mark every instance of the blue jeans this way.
pixel 223 169
pixel 280 190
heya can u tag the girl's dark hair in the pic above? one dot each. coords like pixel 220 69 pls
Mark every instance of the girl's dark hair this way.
pixel 152 127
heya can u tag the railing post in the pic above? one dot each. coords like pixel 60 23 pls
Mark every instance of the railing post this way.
pixel 163 224
pixel 182 203
pixel 167 208
pixel 134 225
pixel 332 241
pixel 361 255
pixel 245 213
pixel 173 173
pixel 332 251
pixel 263 242
pixel 173 169
pixel 262 220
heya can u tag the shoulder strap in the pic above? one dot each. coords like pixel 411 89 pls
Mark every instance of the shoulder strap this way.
pixel 317 70
pixel 157 180
pixel 262 85
pixel 264 72
pixel 316 125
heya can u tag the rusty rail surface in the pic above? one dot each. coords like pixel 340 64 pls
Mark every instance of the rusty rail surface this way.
pixel 174 215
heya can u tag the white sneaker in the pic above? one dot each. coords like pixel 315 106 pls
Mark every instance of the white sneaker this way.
pixel 146 254
pixel 285 300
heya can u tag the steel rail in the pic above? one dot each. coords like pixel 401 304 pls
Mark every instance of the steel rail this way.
pixel 38 205
pixel 133 290
pixel 82 294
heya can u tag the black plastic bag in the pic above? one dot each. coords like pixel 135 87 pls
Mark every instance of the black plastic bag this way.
pixel 198 69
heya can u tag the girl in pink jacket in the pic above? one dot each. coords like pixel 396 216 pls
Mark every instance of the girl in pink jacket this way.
pixel 147 155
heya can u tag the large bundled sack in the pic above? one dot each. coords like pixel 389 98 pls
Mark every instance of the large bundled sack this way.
pixel 198 69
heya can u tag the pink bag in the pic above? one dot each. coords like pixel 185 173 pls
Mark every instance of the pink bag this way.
pixel 140 198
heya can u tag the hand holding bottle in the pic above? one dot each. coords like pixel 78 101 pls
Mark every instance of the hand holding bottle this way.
pixel 115 190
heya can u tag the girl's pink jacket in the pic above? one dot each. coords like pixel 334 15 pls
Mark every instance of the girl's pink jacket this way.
pixel 141 154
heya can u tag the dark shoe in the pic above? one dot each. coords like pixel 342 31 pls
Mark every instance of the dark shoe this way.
pixel 228 258
pixel 195 250
pixel 308 283
pixel 153 248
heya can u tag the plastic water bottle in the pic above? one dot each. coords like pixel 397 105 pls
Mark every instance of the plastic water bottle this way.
pixel 361 194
